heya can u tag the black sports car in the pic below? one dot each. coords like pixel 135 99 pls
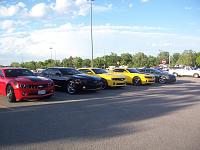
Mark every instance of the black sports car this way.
pixel 160 76
pixel 71 79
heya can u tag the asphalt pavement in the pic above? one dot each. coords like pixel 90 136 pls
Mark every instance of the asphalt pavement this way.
pixel 151 117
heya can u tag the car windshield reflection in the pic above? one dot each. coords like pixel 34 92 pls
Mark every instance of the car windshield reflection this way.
pixel 18 72
pixel 99 71
pixel 69 71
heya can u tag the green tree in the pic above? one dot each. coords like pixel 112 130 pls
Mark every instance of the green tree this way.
pixel 175 58
pixel 77 61
pixel 68 62
pixel 15 64
pixel 112 59
pixel 198 61
pixel 126 59
pixel 86 63
pixel 99 62
pixel 188 57
pixel 152 61
pixel 140 60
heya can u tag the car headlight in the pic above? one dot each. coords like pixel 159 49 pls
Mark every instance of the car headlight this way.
pixel 16 85
pixel 20 85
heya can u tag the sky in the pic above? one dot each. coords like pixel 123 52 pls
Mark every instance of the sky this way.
pixel 42 29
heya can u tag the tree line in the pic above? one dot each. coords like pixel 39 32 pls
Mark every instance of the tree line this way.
pixel 187 57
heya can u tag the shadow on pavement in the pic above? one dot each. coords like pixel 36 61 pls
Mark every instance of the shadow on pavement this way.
pixel 90 118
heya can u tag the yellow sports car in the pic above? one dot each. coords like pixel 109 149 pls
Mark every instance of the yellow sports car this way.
pixel 134 77
pixel 109 79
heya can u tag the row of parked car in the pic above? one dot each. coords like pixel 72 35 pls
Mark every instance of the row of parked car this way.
pixel 19 83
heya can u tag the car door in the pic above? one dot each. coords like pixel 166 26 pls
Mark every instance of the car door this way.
pixel 57 77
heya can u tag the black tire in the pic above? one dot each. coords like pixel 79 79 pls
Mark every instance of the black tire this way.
pixel 104 84
pixel 196 75
pixel 136 81
pixel 48 97
pixel 162 80
pixel 71 87
pixel 10 94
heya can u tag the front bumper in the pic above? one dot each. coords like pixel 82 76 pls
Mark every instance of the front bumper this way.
pixel 91 86
pixel 148 80
pixel 22 94
pixel 115 83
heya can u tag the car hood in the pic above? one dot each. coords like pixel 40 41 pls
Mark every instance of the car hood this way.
pixel 110 75
pixel 31 79
pixel 84 76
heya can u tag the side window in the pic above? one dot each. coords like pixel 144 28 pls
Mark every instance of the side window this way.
pixel 148 71
pixel 1 73
pixel 151 71
pixel 45 72
pixel 82 70
pixel 52 72
pixel 57 72
pixel 85 71
pixel 118 70
pixel 142 70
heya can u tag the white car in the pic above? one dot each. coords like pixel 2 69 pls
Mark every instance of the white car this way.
pixel 186 71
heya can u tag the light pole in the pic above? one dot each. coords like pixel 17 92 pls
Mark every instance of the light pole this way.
pixel 91 34
pixel 51 52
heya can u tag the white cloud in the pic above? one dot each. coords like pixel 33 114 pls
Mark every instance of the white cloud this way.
pixel 63 5
pixel 130 5
pixel 74 40
pixel 40 10
pixel 188 8
pixel 70 8
pixel 7 25
pixel 12 10
pixel 144 1
pixel 104 8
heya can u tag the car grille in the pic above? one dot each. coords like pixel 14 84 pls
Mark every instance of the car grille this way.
pixel 118 79
pixel 120 84
pixel 29 86
pixel 149 77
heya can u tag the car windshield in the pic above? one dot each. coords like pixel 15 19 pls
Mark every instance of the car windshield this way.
pixel 99 71
pixel 156 71
pixel 69 71
pixel 18 72
pixel 133 71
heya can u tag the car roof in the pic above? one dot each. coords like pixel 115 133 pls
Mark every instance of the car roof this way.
pixel 60 68
pixel 5 68
pixel 89 68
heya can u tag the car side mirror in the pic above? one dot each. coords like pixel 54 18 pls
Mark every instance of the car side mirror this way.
pixel 1 76
pixel 90 73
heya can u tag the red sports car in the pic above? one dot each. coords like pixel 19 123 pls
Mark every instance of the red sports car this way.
pixel 18 84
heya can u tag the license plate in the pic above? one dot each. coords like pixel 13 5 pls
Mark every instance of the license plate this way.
pixel 42 92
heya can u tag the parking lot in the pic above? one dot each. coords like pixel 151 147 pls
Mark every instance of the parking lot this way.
pixel 150 117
